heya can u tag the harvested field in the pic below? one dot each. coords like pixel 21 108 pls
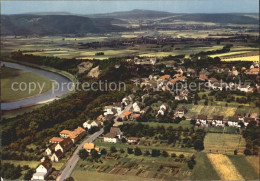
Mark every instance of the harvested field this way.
pixel 224 167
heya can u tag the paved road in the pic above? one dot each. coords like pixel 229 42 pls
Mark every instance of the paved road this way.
pixel 127 108
pixel 70 165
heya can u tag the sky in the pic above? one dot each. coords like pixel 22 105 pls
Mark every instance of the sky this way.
pixel 94 7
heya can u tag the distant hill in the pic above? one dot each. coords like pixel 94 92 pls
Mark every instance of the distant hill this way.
pixel 135 14
pixel 55 25
pixel 216 18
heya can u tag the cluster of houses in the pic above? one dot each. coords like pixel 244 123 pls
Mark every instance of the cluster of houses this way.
pixel 60 145
pixel 232 121
pixel 115 135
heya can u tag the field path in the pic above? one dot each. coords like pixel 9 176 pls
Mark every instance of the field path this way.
pixel 224 167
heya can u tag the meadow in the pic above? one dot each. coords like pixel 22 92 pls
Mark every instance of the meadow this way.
pixel 9 76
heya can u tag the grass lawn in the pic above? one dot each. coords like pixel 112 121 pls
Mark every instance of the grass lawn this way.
pixel 184 124
pixel 32 164
pixel 224 143
pixel 10 75
pixel 203 169
pixel 244 167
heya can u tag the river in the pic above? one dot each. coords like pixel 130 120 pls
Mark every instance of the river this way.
pixel 48 96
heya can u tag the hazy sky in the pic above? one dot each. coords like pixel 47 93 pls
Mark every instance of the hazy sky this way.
pixel 92 7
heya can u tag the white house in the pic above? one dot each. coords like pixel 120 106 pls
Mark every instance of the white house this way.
pixel 162 110
pixel 133 140
pixel 64 146
pixel 217 120
pixel 56 156
pixel 233 121
pixel 109 110
pixel 87 124
pixel 136 107
pixel 110 138
pixel 202 119
pixel 42 171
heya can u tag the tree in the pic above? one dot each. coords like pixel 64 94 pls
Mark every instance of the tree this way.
pixel 198 144
pixel 193 121
pixel 103 151
pixel 247 152
pixel 130 150
pixel 94 154
pixel 122 150
pixel 138 151
pixel 155 153
pixel 181 156
pixel 146 153
pixel 173 155
pixel 83 154
pixel 28 175
pixel 235 152
pixel 165 153
pixel 113 149
pixel 69 179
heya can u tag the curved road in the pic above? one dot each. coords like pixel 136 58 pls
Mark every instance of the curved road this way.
pixel 70 165
pixel 42 98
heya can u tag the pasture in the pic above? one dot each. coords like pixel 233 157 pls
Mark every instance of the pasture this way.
pixel 9 76
pixel 224 143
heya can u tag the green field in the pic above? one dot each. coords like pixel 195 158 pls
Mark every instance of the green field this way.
pixel 203 169
pixel 9 75
pixel 224 143
pixel 244 167
pixel 183 124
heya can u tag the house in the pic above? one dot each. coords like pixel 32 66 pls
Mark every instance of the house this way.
pixel 240 115
pixel 109 110
pixel 110 138
pixel 253 71
pixel 126 115
pixel 217 120
pixel 133 140
pixel 203 78
pixel 254 115
pixel 181 112
pixel 87 124
pixel 51 149
pixel 165 77
pixel 116 131
pixel 55 140
pixel 233 121
pixel 77 134
pixel 247 120
pixel 136 115
pixel 202 119
pixel 89 146
pixel 162 109
pixel 136 107
pixel 244 88
pixel 65 133
pixel 125 101
pixel 42 170
pixel 65 145
pixel 56 156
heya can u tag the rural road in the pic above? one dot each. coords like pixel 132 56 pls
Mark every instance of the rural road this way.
pixel 70 165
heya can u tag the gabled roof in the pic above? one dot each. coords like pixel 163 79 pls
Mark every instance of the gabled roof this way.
pixel 47 164
pixel 233 119
pixel 127 113
pixel 110 135
pixel 212 79
pixel 165 77
pixel 65 132
pixel 89 146
pixel 247 119
pixel 52 147
pixel 203 117
pixel 115 131
pixel 56 139
pixel 58 153
pixel 240 114
pixel 133 138
pixel 216 117
pixel 66 142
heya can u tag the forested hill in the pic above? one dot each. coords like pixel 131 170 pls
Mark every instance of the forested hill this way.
pixel 55 25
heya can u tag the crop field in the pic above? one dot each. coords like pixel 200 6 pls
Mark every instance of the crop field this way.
pixel 210 111
pixel 224 167
pixel 244 167
pixel 184 124
pixel 10 75
pixel 203 169
pixel 254 58
pixel 133 167
pixel 224 143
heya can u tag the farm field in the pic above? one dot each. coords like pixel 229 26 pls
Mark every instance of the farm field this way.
pixel 224 167
pixel 244 167
pixel 217 109
pixel 134 167
pixel 203 169
pixel 254 58
pixel 183 124
pixel 254 160
pixel 10 75
pixel 224 143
